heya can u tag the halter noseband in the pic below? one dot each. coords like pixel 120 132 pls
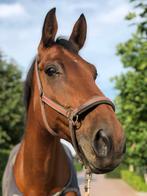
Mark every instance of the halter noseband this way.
pixel 73 115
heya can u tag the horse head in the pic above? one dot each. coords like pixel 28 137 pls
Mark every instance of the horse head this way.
pixel 68 81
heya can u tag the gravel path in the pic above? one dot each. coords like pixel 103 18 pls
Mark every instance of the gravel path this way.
pixel 101 186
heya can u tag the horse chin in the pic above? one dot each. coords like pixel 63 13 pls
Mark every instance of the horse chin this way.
pixel 95 170
pixel 99 167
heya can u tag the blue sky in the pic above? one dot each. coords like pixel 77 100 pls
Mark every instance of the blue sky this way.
pixel 21 24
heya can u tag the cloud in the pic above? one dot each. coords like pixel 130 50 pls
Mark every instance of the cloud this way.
pixel 116 14
pixel 11 10
pixel 106 28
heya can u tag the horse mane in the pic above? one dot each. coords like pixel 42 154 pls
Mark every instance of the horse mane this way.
pixel 28 87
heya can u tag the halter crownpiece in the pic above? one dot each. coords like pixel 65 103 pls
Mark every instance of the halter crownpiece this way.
pixel 73 115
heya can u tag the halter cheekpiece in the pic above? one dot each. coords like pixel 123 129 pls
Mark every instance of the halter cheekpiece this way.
pixel 72 114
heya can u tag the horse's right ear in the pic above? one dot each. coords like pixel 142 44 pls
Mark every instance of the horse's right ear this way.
pixel 49 28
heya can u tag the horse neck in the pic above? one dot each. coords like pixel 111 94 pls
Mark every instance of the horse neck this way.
pixel 43 158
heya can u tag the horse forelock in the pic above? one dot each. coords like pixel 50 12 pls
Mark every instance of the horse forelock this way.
pixel 67 44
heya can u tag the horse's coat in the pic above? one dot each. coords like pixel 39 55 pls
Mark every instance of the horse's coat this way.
pixel 42 165
pixel 9 184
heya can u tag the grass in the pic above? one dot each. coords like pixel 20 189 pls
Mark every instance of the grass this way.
pixel 116 173
pixel 134 180
pixel 3 160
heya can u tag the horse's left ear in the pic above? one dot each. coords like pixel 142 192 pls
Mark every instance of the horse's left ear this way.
pixel 79 32
pixel 49 28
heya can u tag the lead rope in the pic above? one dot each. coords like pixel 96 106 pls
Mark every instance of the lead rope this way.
pixel 88 178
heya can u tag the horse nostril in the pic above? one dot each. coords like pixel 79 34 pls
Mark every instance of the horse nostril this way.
pixel 101 144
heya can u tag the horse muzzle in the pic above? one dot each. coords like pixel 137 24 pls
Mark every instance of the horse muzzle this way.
pixel 99 153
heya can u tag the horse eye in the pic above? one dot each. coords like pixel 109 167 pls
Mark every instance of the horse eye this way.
pixel 51 71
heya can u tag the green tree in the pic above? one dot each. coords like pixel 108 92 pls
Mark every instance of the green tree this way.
pixel 11 107
pixel 132 87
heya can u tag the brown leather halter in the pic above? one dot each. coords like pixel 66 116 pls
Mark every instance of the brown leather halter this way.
pixel 72 114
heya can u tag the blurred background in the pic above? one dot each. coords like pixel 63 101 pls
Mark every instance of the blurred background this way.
pixel 116 44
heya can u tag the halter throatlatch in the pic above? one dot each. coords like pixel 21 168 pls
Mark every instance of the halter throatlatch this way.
pixel 73 115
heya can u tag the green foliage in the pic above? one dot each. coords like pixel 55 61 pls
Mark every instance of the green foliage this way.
pixel 130 16
pixel 140 17
pixel 78 166
pixel 132 90
pixel 133 179
pixel 136 181
pixel 133 53
pixel 3 160
pixel 116 173
pixel 12 111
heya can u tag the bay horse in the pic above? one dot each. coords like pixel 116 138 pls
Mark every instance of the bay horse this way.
pixel 62 101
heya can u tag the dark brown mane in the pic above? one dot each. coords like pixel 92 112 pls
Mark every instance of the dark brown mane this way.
pixel 28 82
pixel 28 85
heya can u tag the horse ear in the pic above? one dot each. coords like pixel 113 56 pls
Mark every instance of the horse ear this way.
pixel 79 32
pixel 49 28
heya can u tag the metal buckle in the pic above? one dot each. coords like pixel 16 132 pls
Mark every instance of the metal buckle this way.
pixel 76 122
pixel 41 92
pixel 88 178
